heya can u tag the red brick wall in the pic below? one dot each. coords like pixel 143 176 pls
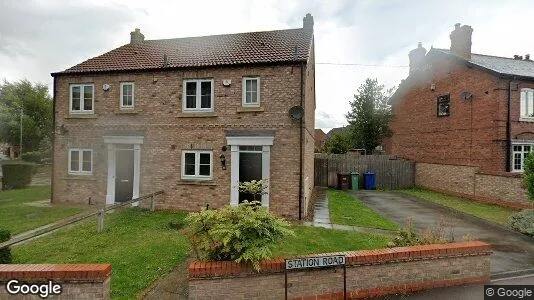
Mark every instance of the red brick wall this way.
pixel 78 281
pixel 467 182
pixel 159 118
pixel 369 273
pixel 474 133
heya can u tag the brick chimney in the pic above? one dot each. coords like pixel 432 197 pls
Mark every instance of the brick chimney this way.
pixel 136 37
pixel 416 56
pixel 307 23
pixel 461 40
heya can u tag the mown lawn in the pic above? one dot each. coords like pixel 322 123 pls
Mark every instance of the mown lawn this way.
pixel 24 209
pixel 139 245
pixel 309 240
pixel 489 212
pixel 347 210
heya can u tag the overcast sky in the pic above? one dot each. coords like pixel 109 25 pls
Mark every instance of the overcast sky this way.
pixel 40 37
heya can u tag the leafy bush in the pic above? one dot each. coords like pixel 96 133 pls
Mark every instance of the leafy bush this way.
pixel 408 236
pixel 528 175
pixel 17 175
pixel 523 221
pixel 255 188
pixel 245 233
pixel 5 253
pixel 36 156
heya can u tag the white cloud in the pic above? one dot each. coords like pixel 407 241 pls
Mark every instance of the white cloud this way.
pixel 40 37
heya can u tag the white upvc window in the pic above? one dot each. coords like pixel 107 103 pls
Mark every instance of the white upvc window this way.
pixel 198 95
pixel 127 97
pixel 197 164
pixel 519 153
pixel 251 91
pixel 82 98
pixel 80 161
pixel 527 104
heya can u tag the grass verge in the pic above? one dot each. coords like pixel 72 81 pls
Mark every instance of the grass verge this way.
pixel 489 212
pixel 21 210
pixel 347 210
pixel 309 240
pixel 138 244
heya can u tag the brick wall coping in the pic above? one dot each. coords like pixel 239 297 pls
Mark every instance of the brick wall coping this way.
pixel 93 272
pixel 363 257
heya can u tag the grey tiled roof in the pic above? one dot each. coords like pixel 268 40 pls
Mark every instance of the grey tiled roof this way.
pixel 502 65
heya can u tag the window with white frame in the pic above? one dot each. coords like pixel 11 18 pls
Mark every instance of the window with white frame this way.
pixel 198 95
pixel 197 164
pixel 519 153
pixel 81 98
pixel 127 94
pixel 80 161
pixel 527 103
pixel 251 91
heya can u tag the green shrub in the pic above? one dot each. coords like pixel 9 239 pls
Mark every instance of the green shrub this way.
pixel 528 175
pixel 36 156
pixel 437 234
pixel 245 233
pixel 17 175
pixel 523 221
pixel 5 253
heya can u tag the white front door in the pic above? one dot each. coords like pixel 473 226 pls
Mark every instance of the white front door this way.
pixel 116 145
pixel 252 156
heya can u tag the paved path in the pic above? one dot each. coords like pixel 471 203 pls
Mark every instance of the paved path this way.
pixel 511 251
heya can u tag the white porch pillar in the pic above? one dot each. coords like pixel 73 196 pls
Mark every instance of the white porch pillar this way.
pixel 234 171
pixel 110 195
pixel 265 173
pixel 136 174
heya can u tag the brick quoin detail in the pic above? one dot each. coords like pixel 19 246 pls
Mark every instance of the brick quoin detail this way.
pixel 468 263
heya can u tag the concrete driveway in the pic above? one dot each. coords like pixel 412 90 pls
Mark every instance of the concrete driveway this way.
pixel 512 252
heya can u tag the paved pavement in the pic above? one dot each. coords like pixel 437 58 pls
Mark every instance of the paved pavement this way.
pixel 511 251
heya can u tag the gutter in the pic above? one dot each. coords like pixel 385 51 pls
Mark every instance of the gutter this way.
pixel 53 137
pixel 508 160
pixel 300 138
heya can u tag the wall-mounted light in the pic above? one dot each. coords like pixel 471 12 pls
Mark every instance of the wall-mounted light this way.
pixel 223 161
pixel 432 86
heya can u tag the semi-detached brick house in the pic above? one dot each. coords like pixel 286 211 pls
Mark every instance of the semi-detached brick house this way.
pixel 192 117
pixel 467 119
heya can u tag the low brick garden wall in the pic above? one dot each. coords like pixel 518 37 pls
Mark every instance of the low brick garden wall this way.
pixel 77 281
pixel 368 273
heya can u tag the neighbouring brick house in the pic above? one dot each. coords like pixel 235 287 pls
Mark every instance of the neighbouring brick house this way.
pixel 192 117
pixel 319 139
pixel 467 119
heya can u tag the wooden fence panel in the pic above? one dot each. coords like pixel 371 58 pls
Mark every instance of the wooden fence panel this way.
pixel 390 172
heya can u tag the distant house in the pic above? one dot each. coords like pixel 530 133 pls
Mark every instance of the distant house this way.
pixel 333 131
pixel 192 117
pixel 467 119
pixel 319 139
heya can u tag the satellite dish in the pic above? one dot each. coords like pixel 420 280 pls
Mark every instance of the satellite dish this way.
pixel 466 96
pixel 296 112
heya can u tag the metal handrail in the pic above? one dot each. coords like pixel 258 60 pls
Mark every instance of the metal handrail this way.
pixel 76 219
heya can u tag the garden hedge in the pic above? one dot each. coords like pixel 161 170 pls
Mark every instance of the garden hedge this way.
pixel 5 253
pixel 16 175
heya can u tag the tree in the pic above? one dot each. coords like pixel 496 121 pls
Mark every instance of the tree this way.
pixel 369 115
pixel 528 175
pixel 36 105
pixel 339 143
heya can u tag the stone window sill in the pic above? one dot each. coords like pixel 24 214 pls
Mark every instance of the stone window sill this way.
pixel 80 177
pixel 127 111
pixel 197 115
pixel 82 116
pixel 525 119
pixel 250 109
pixel 196 182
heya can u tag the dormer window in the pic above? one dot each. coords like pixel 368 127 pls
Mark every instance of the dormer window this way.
pixel 198 95
pixel 527 104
